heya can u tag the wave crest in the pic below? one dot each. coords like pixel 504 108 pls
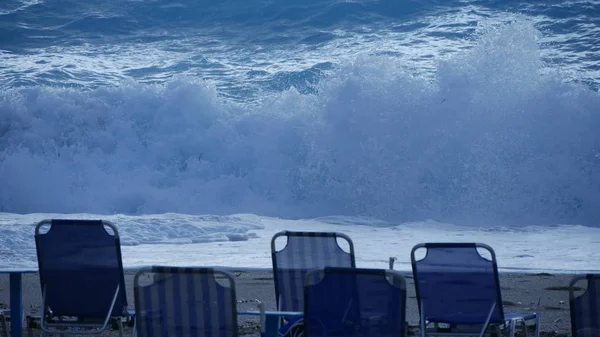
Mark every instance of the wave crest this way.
pixel 495 138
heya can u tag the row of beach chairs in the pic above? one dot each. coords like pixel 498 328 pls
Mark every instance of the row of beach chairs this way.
pixel 457 290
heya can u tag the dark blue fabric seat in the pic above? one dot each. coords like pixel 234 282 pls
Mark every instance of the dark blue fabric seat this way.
pixel 185 302
pixel 81 275
pixel 585 307
pixel 457 286
pixel 354 302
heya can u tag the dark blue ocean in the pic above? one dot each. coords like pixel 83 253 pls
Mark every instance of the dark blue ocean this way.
pixel 458 111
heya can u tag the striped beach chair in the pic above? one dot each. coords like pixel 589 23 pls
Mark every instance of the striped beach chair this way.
pixel 354 302
pixel 458 287
pixel 585 307
pixel 303 252
pixel 185 302
pixel 81 276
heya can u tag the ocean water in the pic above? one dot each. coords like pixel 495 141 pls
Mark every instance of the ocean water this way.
pixel 202 128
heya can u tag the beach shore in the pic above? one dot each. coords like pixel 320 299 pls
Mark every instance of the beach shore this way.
pixel 543 293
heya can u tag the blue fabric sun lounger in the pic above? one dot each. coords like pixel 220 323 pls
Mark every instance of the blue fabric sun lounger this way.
pixel 185 302
pixel 341 302
pixel 457 286
pixel 303 252
pixel 585 307
pixel 81 276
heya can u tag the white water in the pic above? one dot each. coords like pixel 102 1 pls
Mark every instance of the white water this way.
pixel 495 144
pixel 497 138
pixel 243 241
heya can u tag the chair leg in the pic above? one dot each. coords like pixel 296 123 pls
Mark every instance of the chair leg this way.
pixel 513 325
pixel 29 323
pixel 524 327
pixel 4 325
pixel 120 324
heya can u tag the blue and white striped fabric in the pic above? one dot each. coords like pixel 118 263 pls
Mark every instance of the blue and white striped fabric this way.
pixel 303 252
pixel 185 302
pixel 585 308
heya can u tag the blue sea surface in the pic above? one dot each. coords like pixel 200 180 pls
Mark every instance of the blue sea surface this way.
pixel 459 111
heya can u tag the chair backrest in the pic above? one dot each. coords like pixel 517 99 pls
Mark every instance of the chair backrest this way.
pixel 80 267
pixel 585 308
pixel 455 284
pixel 354 302
pixel 305 251
pixel 185 302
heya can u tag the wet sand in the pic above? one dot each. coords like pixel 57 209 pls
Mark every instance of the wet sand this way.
pixel 546 294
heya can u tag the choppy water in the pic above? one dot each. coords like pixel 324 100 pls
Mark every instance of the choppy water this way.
pixel 463 111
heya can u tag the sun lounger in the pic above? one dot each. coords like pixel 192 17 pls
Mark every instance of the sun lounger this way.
pixel 458 287
pixel 81 276
pixel 185 302
pixel 303 252
pixel 585 307
pixel 354 302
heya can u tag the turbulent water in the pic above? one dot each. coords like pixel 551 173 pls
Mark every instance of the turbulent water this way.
pixel 462 111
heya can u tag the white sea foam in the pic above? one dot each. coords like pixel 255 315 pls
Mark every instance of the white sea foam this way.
pixel 496 138
pixel 243 241
pixel 497 148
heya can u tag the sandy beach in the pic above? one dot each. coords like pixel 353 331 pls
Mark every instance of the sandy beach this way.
pixel 546 294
